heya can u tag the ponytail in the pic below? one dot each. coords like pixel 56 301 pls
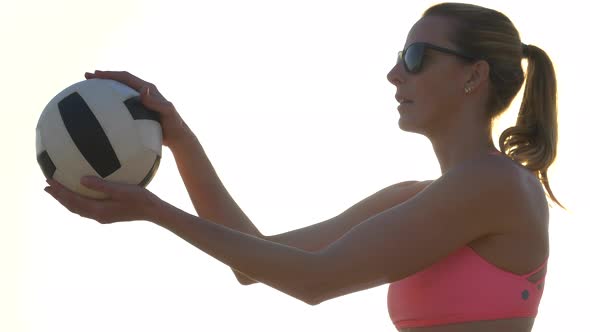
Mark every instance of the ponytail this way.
pixel 533 140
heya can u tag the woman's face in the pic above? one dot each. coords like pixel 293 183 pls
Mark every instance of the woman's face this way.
pixel 436 92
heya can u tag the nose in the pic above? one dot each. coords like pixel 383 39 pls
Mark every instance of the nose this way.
pixel 395 75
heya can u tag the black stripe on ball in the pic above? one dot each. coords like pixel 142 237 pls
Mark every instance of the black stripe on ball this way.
pixel 151 173
pixel 47 166
pixel 140 112
pixel 88 135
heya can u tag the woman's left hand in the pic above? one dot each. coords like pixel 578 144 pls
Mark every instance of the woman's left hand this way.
pixel 125 202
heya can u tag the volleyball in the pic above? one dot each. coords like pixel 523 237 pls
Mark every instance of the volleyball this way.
pixel 98 127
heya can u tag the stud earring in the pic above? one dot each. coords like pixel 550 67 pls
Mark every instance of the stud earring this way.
pixel 468 90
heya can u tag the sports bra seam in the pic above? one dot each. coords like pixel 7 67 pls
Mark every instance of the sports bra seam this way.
pixel 511 274
pixel 485 315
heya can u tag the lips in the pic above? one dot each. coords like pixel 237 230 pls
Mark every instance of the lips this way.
pixel 402 99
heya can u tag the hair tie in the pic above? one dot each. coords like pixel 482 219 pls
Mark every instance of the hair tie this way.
pixel 525 50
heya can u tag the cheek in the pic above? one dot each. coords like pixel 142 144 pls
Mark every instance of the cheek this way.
pixel 439 95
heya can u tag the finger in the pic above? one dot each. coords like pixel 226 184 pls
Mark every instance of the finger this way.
pixel 55 186
pixel 98 184
pixel 124 77
pixel 70 200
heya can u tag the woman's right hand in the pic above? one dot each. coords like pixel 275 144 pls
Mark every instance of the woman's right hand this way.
pixel 172 124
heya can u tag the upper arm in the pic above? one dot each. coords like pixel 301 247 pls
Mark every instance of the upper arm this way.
pixel 461 206
pixel 382 200
pixel 319 235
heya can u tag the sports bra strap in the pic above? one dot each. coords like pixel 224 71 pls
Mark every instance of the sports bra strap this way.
pixel 542 266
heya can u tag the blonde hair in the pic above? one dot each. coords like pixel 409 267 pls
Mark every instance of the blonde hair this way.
pixel 490 35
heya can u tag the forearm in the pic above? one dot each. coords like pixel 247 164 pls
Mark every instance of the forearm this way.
pixel 287 269
pixel 209 196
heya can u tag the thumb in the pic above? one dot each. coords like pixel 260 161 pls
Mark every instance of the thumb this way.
pixel 148 99
pixel 153 101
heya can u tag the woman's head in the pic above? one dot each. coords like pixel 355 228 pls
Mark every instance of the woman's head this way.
pixel 431 76
pixel 475 76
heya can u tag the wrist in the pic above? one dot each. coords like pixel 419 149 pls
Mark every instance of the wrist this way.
pixel 154 208
pixel 183 137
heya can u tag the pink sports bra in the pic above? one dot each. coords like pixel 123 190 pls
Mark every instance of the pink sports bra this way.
pixel 463 287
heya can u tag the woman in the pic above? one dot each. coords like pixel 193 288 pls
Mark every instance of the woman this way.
pixel 465 252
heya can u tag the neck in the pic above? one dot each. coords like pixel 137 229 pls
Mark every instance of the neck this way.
pixel 462 143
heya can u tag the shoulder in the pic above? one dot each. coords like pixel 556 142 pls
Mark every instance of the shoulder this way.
pixel 489 172
pixel 501 185
pixel 504 172
pixel 526 192
pixel 490 189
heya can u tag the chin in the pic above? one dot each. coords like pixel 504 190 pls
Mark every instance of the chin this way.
pixel 414 121
pixel 406 124
pixel 409 126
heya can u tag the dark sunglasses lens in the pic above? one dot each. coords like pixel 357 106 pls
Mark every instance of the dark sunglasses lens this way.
pixel 413 58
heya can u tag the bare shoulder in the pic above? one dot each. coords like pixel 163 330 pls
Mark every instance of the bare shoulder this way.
pixel 526 183
pixel 496 168
pixel 514 191
pixel 527 190
pixel 496 188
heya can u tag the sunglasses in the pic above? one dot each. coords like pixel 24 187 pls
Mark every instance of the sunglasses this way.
pixel 413 55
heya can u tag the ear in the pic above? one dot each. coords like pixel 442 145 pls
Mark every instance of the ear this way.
pixel 477 74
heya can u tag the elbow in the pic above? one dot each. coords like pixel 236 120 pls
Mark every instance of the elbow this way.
pixel 303 293
pixel 309 299
pixel 313 301
pixel 314 294
pixel 243 279
pixel 246 282
pixel 316 297
pixel 320 284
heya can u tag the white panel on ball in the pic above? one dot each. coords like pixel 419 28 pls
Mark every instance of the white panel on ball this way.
pixel 150 134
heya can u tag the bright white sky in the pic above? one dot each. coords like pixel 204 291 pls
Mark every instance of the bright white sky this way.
pixel 291 102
